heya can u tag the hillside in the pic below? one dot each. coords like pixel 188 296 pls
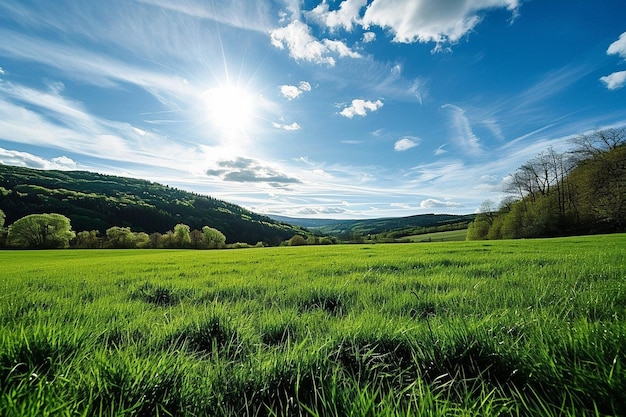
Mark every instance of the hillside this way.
pixel 97 202
pixel 394 226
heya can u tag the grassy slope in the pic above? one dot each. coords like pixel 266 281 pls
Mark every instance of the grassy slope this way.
pixel 473 328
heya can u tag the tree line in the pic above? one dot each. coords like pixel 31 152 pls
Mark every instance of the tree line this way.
pixel 581 191
pixel 54 231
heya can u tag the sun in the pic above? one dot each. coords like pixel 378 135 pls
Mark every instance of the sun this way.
pixel 231 109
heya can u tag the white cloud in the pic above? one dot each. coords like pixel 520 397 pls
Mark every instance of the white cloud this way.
pixel 2 71
pixel 431 21
pixel 405 144
pixel 463 133
pixel 291 127
pixel 434 203
pixel 297 38
pixel 25 159
pixel 369 37
pixel 292 91
pixel 360 107
pixel 617 79
pixel 345 17
pixel 618 47
pixel 341 48
pixel 493 127
pixel 614 81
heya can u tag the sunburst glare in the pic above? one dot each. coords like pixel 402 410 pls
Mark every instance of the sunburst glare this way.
pixel 231 109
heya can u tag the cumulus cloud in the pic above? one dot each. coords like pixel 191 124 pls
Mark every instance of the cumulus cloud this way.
pixel 434 203
pixel 290 127
pixel 616 80
pixel 429 21
pixel 345 17
pixel 618 47
pixel 293 91
pixel 297 38
pixel 369 37
pixel 1 71
pixel 360 107
pixel 248 170
pixel 463 133
pixel 405 144
pixel 25 159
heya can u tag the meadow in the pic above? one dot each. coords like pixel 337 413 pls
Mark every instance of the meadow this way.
pixel 525 327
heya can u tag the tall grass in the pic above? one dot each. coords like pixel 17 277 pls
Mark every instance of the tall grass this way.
pixel 531 327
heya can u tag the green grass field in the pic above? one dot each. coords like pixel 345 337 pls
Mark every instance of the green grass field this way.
pixel 527 327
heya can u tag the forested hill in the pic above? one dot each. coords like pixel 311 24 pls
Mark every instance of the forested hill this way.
pixel 393 227
pixel 97 202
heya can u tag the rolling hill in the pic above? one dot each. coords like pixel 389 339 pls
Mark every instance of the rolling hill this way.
pixel 97 202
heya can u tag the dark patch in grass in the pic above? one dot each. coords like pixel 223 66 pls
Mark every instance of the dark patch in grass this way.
pixel 275 334
pixel 331 301
pixel 155 294
pixel 213 334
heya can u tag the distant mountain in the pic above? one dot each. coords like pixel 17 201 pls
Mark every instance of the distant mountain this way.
pixel 396 226
pixel 97 202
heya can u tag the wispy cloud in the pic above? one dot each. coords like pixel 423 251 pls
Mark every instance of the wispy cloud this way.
pixel 463 134
pixel 360 107
pixel 237 13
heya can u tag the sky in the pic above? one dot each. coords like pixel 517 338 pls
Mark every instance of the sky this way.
pixel 322 109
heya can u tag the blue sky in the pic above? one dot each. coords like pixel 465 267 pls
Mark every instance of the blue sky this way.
pixel 331 109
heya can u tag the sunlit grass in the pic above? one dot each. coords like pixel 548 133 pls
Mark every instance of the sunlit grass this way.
pixel 530 327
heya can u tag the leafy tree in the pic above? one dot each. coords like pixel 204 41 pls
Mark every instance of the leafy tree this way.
pixel 182 239
pixel 41 231
pixel 297 240
pixel 478 229
pixel 213 237
pixel 197 240
pixel 142 240
pixel 3 233
pixel 88 239
pixel 120 238
pixel 155 240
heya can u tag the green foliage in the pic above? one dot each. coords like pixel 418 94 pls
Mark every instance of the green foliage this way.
pixel 41 231
pixel 120 238
pixel 213 238
pixel 98 202
pixel 297 240
pixel 182 239
pixel 516 327
pixel 2 219
pixel 557 197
